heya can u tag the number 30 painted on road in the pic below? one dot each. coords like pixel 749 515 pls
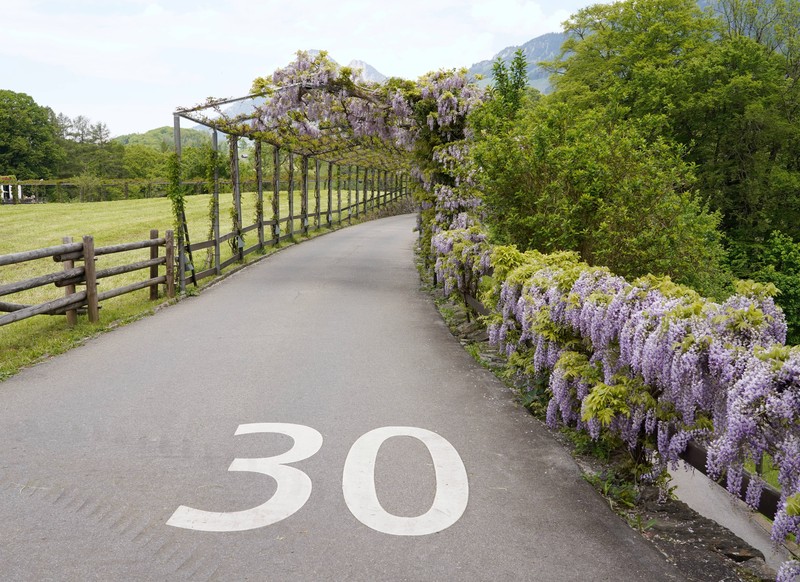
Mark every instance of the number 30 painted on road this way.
pixel 358 484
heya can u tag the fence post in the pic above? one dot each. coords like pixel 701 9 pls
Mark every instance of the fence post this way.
pixel 169 243
pixel 349 194
pixel 304 194
pixel 330 194
pixel 381 189
pixel 238 247
pixel 366 190
pixel 316 194
pixel 339 193
pixel 358 190
pixel 91 280
pixel 215 194
pixel 291 195
pixel 276 193
pixel 153 268
pixel 260 190
pixel 72 314
pixel 181 264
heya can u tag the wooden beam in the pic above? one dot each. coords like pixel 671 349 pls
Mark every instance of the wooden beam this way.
pixel 9 288
pixel 43 308
pixel 14 258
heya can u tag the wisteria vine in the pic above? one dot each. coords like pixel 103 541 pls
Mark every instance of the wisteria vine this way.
pixel 648 360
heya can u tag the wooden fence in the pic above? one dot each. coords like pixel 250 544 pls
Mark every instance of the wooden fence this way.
pixel 350 192
pixel 87 275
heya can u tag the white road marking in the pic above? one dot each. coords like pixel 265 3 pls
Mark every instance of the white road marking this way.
pixel 358 484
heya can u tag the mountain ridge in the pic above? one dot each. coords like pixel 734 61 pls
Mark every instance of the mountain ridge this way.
pixel 545 47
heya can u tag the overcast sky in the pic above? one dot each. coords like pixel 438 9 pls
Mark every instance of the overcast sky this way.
pixel 130 63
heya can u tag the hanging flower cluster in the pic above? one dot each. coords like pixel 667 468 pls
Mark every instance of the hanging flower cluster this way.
pixel 462 258
pixel 315 98
pixel 455 95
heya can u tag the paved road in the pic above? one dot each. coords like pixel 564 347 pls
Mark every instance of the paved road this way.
pixel 320 356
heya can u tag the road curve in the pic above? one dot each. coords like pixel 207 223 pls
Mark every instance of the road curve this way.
pixel 328 356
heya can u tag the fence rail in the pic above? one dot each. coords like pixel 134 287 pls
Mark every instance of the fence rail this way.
pixel 70 276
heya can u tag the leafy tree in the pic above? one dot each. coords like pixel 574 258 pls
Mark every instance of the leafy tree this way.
pixel 99 133
pixel 80 129
pixel 99 160
pixel 29 144
pixel 142 162
pixel 510 82
pixel 162 138
pixel 64 125
pixel 776 261
pixel 629 54
pixel 196 162
pixel 89 150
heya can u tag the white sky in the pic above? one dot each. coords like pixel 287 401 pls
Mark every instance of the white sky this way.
pixel 130 63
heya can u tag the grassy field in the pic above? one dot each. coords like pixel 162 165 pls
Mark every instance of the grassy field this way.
pixel 28 227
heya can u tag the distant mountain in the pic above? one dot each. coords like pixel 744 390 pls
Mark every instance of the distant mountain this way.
pixel 162 138
pixel 542 48
pixel 242 107
pixel 367 72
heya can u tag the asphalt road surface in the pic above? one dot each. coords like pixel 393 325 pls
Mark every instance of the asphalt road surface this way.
pixel 309 418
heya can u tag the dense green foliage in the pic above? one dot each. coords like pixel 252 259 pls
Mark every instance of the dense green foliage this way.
pixel 558 179
pixel 29 145
pixel 729 97
pixel 163 138
pixel 37 144
pixel 671 145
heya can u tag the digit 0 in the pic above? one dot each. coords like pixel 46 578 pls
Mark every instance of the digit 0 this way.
pixel 358 484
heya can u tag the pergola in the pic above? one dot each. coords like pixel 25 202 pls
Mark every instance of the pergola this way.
pixel 371 174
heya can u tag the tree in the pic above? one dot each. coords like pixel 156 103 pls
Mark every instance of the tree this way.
pixel 99 133
pixel 778 262
pixel 629 54
pixel 64 125
pixel 510 82
pixel 143 163
pixel 86 158
pixel 81 129
pixel 89 151
pixel 29 145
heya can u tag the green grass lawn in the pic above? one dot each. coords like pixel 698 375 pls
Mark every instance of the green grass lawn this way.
pixel 28 227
